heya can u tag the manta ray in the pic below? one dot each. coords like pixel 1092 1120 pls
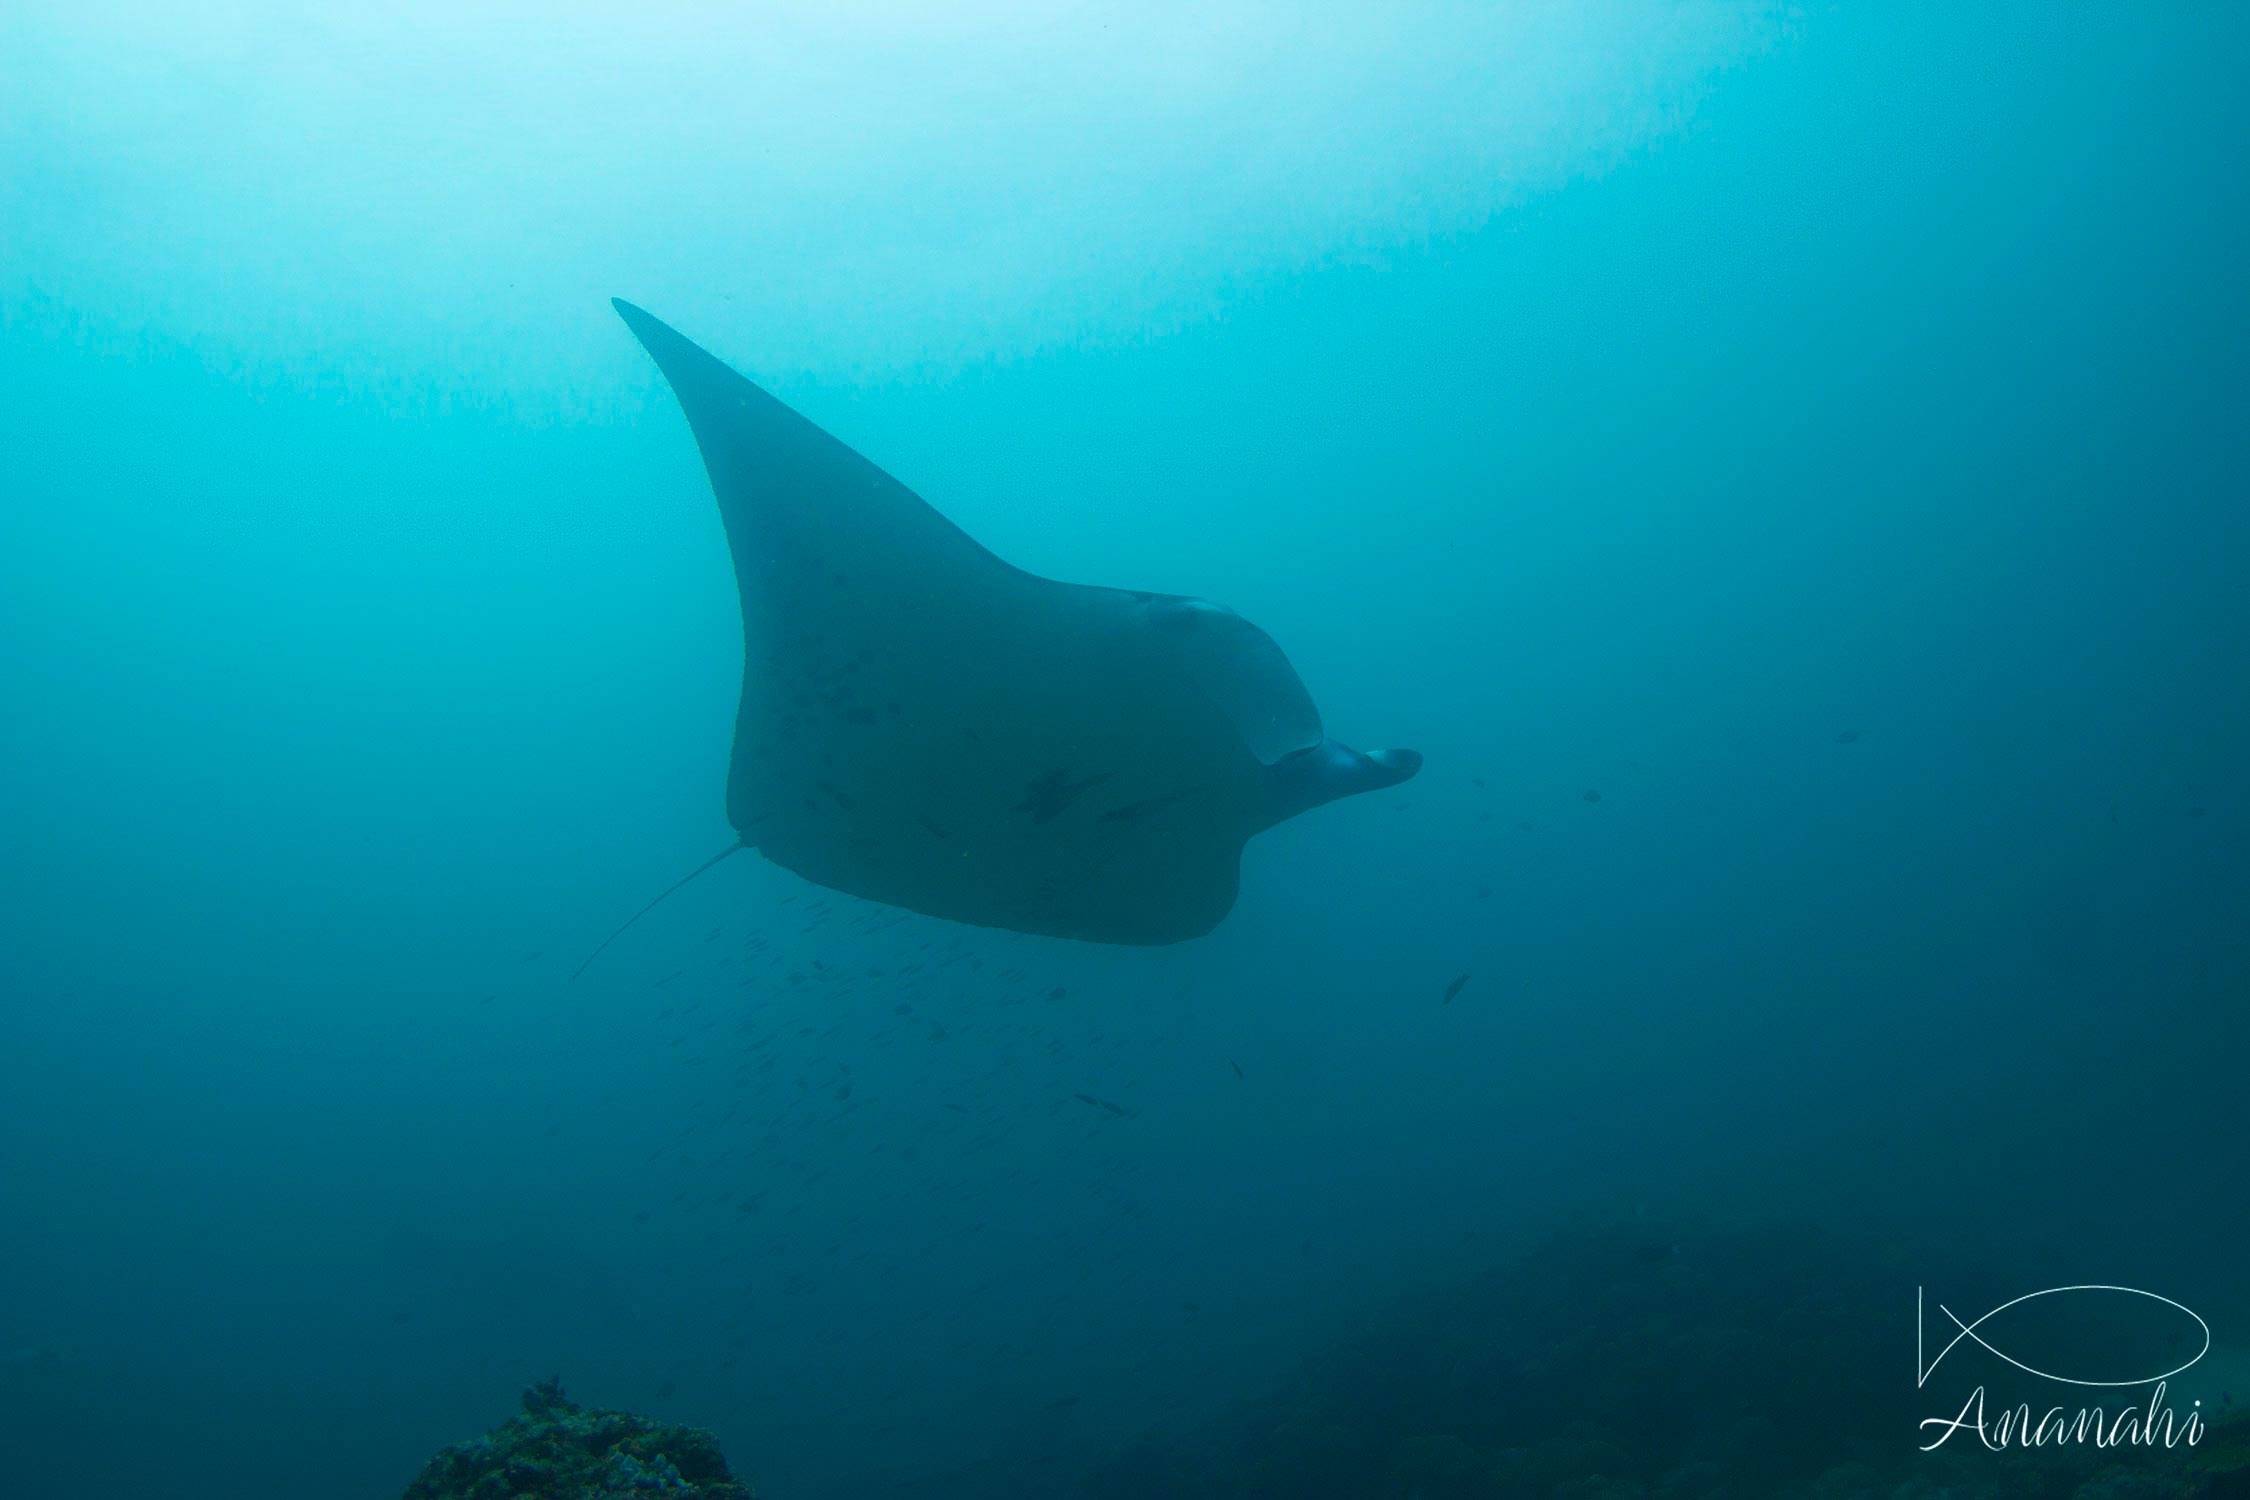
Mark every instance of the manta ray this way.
pixel 923 725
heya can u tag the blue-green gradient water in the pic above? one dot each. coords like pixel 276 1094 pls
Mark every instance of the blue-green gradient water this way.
pixel 1784 467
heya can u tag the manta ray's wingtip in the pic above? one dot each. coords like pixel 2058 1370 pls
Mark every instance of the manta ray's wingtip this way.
pixel 678 356
pixel 639 319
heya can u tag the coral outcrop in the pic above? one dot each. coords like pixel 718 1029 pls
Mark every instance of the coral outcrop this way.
pixel 556 1449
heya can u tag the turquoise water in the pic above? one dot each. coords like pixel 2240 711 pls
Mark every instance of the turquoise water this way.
pixel 1782 467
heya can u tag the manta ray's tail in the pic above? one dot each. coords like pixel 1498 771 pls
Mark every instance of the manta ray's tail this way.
pixel 653 905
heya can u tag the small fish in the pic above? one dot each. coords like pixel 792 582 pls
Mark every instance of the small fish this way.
pixel 1847 737
pixel 1236 1066
pixel 1098 1103
pixel 1454 988
pixel 1589 795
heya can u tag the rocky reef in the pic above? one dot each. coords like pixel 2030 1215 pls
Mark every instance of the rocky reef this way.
pixel 556 1449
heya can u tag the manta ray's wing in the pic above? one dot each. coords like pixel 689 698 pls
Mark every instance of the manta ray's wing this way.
pixel 925 725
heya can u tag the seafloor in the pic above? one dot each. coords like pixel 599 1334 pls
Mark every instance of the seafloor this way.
pixel 1597 1365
